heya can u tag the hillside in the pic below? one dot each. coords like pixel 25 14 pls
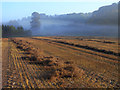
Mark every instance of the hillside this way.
pixel 102 22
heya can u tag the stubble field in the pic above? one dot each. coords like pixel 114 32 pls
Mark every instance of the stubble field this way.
pixel 60 62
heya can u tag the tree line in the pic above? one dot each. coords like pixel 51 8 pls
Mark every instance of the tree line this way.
pixel 11 31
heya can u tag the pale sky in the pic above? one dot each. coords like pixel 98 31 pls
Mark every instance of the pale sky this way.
pixel 17 9
pixel 60 0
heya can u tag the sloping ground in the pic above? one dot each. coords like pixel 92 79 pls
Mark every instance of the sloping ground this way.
pixel 40 63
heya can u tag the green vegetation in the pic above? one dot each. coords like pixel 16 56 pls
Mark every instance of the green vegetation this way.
pixel 11 31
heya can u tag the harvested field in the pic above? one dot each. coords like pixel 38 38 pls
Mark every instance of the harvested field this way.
pixel 61 62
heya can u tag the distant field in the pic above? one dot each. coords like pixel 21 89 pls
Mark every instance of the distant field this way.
pixel 54 62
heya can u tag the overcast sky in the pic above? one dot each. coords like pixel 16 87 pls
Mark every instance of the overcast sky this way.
pixel 16 10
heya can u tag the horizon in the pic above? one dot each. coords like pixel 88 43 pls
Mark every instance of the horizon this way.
pixel 19 10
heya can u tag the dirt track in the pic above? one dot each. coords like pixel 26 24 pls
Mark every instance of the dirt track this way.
pixel 96 69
